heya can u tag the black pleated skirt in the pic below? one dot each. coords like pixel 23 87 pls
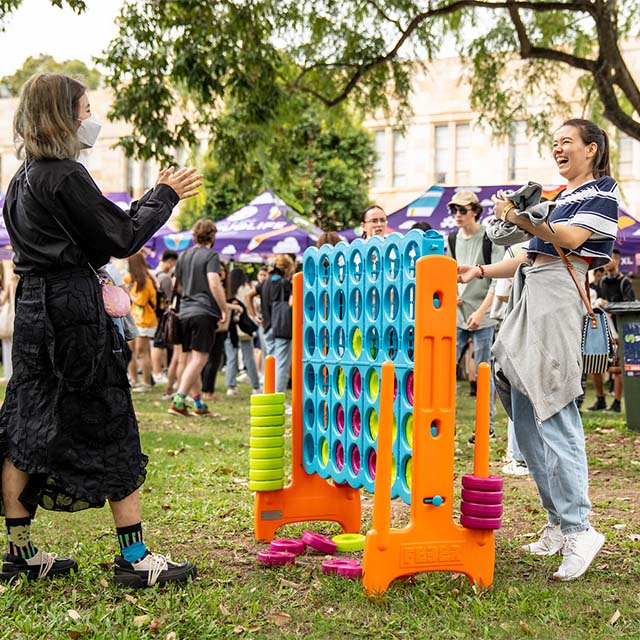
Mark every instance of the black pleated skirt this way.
pixel 67 419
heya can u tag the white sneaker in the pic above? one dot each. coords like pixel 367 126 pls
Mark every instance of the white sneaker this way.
pixel 256 392
pixel 232 391
pixel 142 388
pixel 288 410
pixel 550 542
pixel 160 378
pixel 578 553
pixel 243 377
pixel 516 468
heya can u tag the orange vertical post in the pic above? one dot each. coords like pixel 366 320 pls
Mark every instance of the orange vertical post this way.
pixel 270 374
pixel 483 401
pixel 308 497
pixel 432 541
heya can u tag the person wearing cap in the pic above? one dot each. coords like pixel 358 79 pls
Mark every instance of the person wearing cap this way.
pixel 469 245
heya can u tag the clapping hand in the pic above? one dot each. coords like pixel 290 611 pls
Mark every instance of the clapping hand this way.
pixel 185 182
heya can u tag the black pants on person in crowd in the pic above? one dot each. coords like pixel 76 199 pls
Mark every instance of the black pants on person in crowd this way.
pixel 214 363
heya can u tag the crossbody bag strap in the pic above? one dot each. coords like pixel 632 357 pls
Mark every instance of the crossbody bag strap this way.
pixel 581 291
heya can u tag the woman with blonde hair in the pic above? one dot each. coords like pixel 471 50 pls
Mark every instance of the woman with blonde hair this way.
pixel 142 290
pixel 68 432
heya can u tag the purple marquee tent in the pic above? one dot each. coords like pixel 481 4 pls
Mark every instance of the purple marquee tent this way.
pixel 263 227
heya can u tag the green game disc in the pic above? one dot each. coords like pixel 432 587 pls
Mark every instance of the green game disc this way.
pixel 266 474
pixel 270 453
pixel 267 398
pixel 271 485
pixel 349 542
pixel 267 432
pixel 267 421
pixel 265 443
pixel 273 463
pixel 267 410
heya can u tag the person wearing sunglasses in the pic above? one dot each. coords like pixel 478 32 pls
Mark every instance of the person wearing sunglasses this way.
pixel 469 245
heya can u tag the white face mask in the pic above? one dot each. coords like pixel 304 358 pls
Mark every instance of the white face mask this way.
pixel 88 132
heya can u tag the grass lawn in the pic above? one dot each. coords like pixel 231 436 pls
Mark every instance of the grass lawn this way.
pixel 197 505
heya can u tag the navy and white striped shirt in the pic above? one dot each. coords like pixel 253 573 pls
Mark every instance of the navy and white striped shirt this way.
pixel 594 206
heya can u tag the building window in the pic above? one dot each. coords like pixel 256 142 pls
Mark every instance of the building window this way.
pixel 518 151
pixel 625 155
pixel 399 159
pixel 463 154
pixel 380 174
pixel 441 160
pixel 129 175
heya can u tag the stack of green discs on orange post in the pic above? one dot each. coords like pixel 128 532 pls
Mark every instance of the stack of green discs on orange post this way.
pixel 266 463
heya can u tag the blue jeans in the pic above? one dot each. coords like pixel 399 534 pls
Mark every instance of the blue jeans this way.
pixel 556 456
pixel 482 342
pixel 246 346
pixel 281 349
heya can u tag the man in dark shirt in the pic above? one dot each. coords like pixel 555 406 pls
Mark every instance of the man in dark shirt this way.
pixel 614 287
pixel 202 306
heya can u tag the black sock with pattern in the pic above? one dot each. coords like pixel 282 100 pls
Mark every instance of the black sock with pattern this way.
pixel 19 536
pixel 131 545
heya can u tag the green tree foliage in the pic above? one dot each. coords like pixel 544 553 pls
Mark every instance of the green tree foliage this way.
pixel 319 161
pixel 7 7
pixel 46 64
pixel 172 53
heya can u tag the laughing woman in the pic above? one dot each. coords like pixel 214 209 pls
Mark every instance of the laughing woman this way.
pixel 538 349
pixel 68 432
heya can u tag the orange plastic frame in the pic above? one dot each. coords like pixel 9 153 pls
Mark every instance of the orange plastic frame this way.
pixel 431 541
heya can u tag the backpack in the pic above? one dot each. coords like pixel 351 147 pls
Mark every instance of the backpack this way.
pixel 487 246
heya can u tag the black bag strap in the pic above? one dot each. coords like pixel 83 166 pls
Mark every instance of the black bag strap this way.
pixel 451 241
pixel 487 246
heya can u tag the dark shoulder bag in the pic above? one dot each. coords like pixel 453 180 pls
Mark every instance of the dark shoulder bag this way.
pixel 281 318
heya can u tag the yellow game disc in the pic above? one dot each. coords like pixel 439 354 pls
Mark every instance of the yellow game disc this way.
pixel 271 485
pixel 266 443
pixel 349 542
pixel 266 421
pixel 266 463
pixel 262 432
pixel 268 453
pixel 267 410
pixel 267 398
pixel 266 474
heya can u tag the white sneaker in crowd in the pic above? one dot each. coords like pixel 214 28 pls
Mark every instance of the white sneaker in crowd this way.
pixel 578 553
pixel 160 378
pixel 550 542
pixel 142 388
pixel 243 377
pixel 516 468
pixel 255 392
pixel 232 391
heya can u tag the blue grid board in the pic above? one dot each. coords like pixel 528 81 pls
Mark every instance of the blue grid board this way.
pixel 359 311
